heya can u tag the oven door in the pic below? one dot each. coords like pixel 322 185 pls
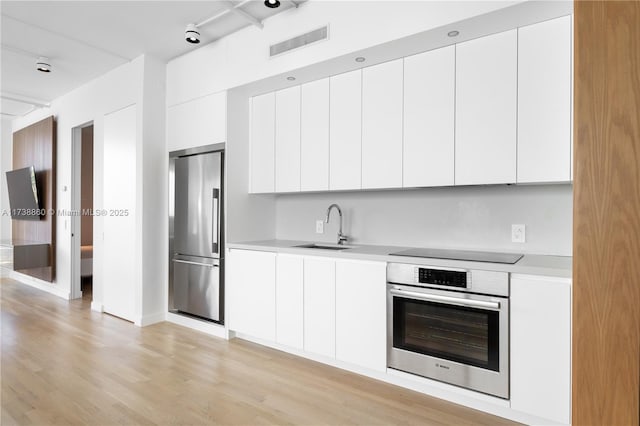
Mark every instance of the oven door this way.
pixel 453 337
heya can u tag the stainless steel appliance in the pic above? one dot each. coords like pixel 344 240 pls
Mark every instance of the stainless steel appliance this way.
pixel 195 231
pixel 474 256
pixel 450 325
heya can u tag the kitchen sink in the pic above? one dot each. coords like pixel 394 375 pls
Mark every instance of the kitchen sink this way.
pixel 325 246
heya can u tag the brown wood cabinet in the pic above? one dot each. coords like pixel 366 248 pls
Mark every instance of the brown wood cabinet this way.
pixel 606 226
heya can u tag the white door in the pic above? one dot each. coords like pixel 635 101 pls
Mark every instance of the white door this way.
pixel 289 300
pixel 345 132
pixel 251 293
pixel 429 112
pixel 544 101
pixel 121 274
pixel 319 306
pixel 361 313
pixel 288 140
pixel 262 146
pixel 486 89
pixel 314 136
pixel 382 125
pixel 541 346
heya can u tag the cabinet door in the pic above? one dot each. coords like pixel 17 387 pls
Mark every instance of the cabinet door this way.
pixel 544 101
pixel 345 131
pixel 262 149
pixel 486 73
pixel 289 300
pixel 541 346
pixel 382 125
pixel 320 306
pixel 361 330
pixel 429 111
pixel 202 121
pixel 314 136
pixel 288 140
pixel 251 287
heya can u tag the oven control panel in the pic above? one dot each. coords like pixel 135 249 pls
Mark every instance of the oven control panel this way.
pixel 440 277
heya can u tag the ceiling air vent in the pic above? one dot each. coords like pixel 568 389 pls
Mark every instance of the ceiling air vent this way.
pixel 300 41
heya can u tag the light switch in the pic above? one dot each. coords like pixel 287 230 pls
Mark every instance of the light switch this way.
pixel 319 226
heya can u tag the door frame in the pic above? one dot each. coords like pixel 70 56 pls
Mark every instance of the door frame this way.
pixel 76 219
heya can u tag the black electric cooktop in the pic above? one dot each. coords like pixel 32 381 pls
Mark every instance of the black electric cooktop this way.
pixel 474 256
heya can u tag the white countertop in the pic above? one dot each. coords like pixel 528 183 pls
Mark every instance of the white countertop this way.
pixel 552 266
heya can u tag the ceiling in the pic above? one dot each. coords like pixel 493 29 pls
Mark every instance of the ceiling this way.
pixel 86 39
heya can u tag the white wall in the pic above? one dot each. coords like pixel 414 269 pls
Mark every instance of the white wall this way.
pixel 477 217
pixel 152 188
pixel 140 82
pixel 353 25
pixel 6 159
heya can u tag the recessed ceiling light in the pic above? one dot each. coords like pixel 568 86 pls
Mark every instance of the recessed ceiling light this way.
pixel 453 33
pixel 191 34
pixel 272 3
pixel 360 59
pixel 43 65
pixel 291 78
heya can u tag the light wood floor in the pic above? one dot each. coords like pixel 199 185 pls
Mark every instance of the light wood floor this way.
pixel 63 364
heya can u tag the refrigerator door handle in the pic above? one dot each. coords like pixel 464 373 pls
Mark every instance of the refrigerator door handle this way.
pixel 188 262
pixel 215 226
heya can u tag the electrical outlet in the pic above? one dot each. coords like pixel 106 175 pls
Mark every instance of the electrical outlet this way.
pixel 517 233
pixel 319 226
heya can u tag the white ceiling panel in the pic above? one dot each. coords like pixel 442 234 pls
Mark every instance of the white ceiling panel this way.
pixel 86 39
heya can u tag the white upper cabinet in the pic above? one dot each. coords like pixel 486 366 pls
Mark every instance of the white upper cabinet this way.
pixel 202 121
pixel 262 149
pixel 429 117
pixel 382 125
pixel 288 140
pixel 345 133
pixel 486 90
pixel 314 136
pixel 544 101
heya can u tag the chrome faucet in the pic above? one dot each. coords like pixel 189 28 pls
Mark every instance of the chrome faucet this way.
pixel 341 237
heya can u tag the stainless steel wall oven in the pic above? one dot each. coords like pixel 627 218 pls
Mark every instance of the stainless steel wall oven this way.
pixel 450 325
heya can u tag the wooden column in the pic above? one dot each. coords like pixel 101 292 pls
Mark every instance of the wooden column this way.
pixel 35 146
pixel 606 241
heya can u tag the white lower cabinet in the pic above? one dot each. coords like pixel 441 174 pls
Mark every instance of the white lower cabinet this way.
pixel 251 290
pixel 289 300
pixel 320 306
pixel 541 346
pixel 361 313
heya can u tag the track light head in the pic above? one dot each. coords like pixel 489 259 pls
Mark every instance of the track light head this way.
pixel 43 65
pixel 272 3
pixel 191 34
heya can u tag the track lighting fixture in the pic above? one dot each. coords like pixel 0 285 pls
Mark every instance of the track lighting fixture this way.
pixel 43 65
pixel 191 34
pixel 272 3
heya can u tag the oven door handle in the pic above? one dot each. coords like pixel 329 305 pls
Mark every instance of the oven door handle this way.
pixel 446 299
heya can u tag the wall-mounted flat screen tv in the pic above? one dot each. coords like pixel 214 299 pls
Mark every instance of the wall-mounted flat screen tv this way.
pixel 23 194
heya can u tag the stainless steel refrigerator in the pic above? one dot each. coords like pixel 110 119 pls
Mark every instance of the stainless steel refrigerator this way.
pixel 197 261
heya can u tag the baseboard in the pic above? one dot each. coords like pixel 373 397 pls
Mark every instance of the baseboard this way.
pixel 150 319
pixel 210 328
pixel 51 288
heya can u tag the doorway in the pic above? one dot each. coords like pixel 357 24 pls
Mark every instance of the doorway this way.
pixel 82 219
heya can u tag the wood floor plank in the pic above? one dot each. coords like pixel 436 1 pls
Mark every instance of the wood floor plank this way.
pixel 63 364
